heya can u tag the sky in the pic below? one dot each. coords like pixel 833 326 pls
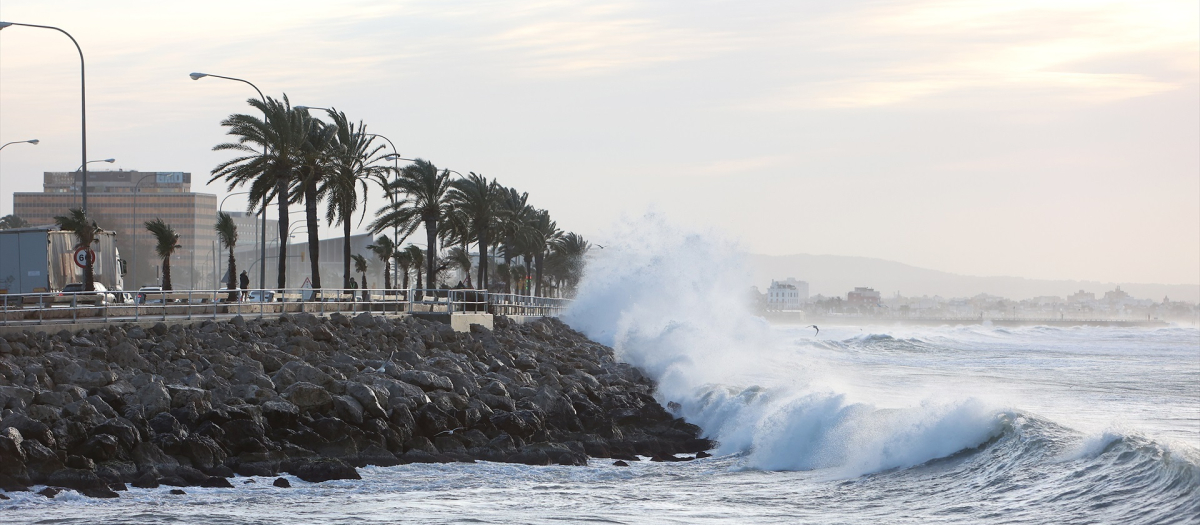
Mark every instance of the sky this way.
pixel 1052 139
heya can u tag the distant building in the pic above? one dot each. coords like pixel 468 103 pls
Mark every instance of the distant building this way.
pixel 863 296
pixel 1081 297
pixel 789 294
pixel 122 201
pixel 1115 296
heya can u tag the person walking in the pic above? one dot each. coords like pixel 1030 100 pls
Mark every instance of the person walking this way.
pixel 353 289
pixel 244 279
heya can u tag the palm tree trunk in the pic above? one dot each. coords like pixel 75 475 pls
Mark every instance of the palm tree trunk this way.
pixel 232 284
pixel 166 284
pixel 483 262
pixel 430 250
pixel 89 276
pixel 387 275
pixel 528 272
pixel 281 196
pixel 539 259
pixel 346 254
pixel 508 276
pixel 314 243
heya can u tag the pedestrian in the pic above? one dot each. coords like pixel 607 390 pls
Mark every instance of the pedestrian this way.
pixel 244 279
pixel 353 289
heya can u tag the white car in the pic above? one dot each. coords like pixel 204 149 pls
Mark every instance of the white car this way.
pixel 149 291
pixel 257 296
pixel 74 291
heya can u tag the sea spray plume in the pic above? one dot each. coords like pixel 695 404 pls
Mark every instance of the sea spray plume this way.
pixel 668 301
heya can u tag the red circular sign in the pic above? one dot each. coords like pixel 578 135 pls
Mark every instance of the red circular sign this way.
pixel 81 256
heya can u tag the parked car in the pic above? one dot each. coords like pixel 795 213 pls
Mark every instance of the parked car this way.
pixel 258 296
pixel 149 291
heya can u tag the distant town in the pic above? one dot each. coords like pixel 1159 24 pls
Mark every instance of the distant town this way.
pixel 790 296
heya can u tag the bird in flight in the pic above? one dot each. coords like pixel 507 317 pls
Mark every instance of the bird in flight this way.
pixel 449 432
pixel 813 326
pixel 383 368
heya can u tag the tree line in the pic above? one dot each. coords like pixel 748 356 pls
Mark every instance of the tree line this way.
pixel 294 159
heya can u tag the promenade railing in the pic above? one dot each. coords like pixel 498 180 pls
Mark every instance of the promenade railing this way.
pixel 148 305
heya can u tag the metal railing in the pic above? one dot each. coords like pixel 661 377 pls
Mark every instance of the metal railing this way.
pixel 150 305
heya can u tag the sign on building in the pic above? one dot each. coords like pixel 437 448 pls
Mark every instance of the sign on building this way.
pixel 169 178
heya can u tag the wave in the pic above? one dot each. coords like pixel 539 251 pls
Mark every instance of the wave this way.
pixel 670 302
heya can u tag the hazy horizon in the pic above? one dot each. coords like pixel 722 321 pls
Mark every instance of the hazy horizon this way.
pixel 1045 140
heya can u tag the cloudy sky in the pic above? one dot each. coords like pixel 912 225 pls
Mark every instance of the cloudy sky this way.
pixel 1036 138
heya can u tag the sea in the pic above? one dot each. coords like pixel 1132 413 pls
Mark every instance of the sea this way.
pixel 835 424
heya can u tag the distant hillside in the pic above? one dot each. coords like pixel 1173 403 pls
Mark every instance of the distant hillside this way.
pixel 835 275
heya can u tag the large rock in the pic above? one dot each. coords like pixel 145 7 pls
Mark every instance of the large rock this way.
pixel 366 397
pixel 155 398
pixel 308 396
pixel 428 381
pixel 322 469
pixel 126 355
pixel 30 429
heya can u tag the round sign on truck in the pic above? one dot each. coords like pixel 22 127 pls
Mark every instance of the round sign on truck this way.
pixel 82 255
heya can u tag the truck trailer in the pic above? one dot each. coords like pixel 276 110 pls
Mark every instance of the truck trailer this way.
pixel 42 260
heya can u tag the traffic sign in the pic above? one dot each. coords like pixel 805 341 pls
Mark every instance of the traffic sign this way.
pixel 82 255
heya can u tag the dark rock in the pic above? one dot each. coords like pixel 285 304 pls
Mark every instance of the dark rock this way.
pixel 619 463
pixel 249 481
pixel 282 483
pixel 216 482
pixel 702 454
pixel 12 484
pixel 80 462
pixel 177 492
pixel 77 479
pixel 146 480
pixel 100 447
pixel 99 492
pixel 322 469
pixel 49 492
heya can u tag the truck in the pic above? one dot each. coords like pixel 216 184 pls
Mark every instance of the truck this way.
pixel 42 260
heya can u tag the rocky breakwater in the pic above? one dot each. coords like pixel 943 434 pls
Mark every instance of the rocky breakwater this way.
pixel 194 405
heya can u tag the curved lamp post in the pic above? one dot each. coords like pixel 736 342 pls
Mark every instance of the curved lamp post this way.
pixel 83 168
pixel 262 270
pixel 82 99
pixel 30 141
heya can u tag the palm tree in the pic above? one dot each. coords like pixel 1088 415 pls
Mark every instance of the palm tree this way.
pixel 12 221
pixel 514 222
pixel 228 235
pixel 167 242
pixel 544 233
pixel 360 266
pixel 270 149
pixel 565 261
pixel 383 249
pixel 418 262
pixel 460 258
pixel 404 262
pixel 85 230
pixel 351 160
pixel 424 204
pixel 480 200
pixel 315 166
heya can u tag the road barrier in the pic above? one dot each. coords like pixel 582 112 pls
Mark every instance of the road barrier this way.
pixel 149 305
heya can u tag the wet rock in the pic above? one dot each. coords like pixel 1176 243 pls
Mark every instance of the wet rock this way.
pixel 307 396
pixel 323 469
pixel 100 492
pixel 282 483
pixel 176 492
pixel 216 482
pixel 49 492
pixel 620 463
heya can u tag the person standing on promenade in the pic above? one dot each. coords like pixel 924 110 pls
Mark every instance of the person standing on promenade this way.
pixel 244 279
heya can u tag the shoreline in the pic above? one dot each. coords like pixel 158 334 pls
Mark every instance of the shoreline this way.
pixel 192 405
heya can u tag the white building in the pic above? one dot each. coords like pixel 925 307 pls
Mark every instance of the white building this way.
pixel 787 295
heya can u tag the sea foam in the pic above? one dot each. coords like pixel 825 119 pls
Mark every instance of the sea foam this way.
pixel 672 303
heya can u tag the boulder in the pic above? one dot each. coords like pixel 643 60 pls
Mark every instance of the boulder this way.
pixel 322 469
pixel 283 483
pixel 427 381
pixel 307 396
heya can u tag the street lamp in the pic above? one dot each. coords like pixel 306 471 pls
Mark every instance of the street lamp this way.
pixel 135 227
pixel 83 167
pixel 30 141
pixel 262 270
pixel 82 99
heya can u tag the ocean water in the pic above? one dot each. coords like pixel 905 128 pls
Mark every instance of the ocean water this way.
pixel 885 424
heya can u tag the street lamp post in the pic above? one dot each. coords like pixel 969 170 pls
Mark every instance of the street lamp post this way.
pixel 135 227
pixel 30 141
pixel 82 99
pixel 84 169
pixel 262 270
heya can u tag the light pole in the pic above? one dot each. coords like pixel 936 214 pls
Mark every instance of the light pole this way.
pixel 82 99
pixel 220 209
pixel 135 228
pixel 262 270
pixel 83 167
pixel 30 141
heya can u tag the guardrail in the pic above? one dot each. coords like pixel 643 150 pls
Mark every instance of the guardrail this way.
pixel 122 306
